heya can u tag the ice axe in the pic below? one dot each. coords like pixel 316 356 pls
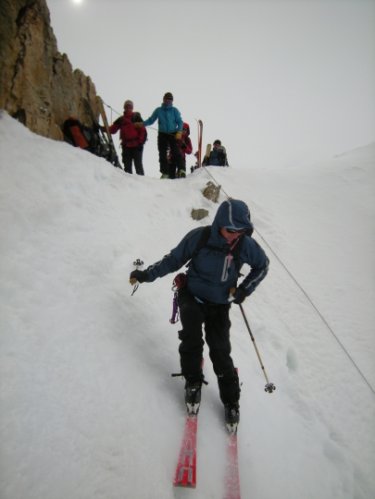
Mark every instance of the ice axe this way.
pixel 138 263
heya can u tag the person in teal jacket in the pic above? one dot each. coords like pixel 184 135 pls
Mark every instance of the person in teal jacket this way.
pixel 169 134
pixel 210 287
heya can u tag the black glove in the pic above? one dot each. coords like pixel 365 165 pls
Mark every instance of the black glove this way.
pixel 138 275
pixel 239 295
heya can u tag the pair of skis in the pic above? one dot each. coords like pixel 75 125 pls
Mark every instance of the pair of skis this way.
pixel 186 469
pixel 113 158
pixel 200 137
pixel 200 156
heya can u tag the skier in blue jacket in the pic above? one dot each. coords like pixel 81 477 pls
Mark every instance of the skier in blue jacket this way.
pixel 169 135
pixel 210 288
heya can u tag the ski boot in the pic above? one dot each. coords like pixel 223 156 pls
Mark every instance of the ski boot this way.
pixel 232 417
pixel 181 174
pixel 193 396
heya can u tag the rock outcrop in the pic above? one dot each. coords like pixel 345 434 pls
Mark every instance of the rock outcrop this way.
pixel 38 85
pixel 212 191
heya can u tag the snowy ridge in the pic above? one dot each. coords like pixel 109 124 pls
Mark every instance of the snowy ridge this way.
pixel 87 403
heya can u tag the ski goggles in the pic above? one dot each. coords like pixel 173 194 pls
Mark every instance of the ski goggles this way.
pixel 235 231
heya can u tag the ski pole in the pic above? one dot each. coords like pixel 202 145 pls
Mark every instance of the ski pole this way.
pixel 270 387
pixel 138 265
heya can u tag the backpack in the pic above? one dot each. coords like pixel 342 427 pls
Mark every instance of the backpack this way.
pixel 75 133
pixel 91 139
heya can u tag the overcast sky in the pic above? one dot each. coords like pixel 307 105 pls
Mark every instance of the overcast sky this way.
pixel 277 81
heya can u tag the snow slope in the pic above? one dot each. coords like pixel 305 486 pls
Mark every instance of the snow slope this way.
pixel 88 406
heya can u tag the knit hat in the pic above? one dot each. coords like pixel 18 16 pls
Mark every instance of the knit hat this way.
pixel 128 103
pixel 168 96
pixel 217 142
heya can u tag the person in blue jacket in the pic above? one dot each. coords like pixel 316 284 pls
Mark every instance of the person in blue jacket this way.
pixel 169 134
pixel 210 288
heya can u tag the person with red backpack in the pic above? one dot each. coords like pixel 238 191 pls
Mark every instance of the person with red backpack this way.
pixel 185 147
pixel 132 138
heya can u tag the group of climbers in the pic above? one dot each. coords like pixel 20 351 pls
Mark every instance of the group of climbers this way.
pixel 173 140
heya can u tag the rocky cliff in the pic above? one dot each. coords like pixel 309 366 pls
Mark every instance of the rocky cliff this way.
pixel 37 84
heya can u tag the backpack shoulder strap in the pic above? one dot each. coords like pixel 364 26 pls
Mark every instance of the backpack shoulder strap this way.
pixel 201 244
pixel 136 117
pixel 203 240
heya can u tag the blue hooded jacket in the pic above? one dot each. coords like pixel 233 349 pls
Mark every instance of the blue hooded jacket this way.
pixel 169 119
pixel 212 272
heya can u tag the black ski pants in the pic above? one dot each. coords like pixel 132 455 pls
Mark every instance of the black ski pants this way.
pixel 215 319
pixel 130 154
pixel 165 141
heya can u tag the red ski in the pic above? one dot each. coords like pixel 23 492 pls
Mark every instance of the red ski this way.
pixel 232 475
pixel 186 470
